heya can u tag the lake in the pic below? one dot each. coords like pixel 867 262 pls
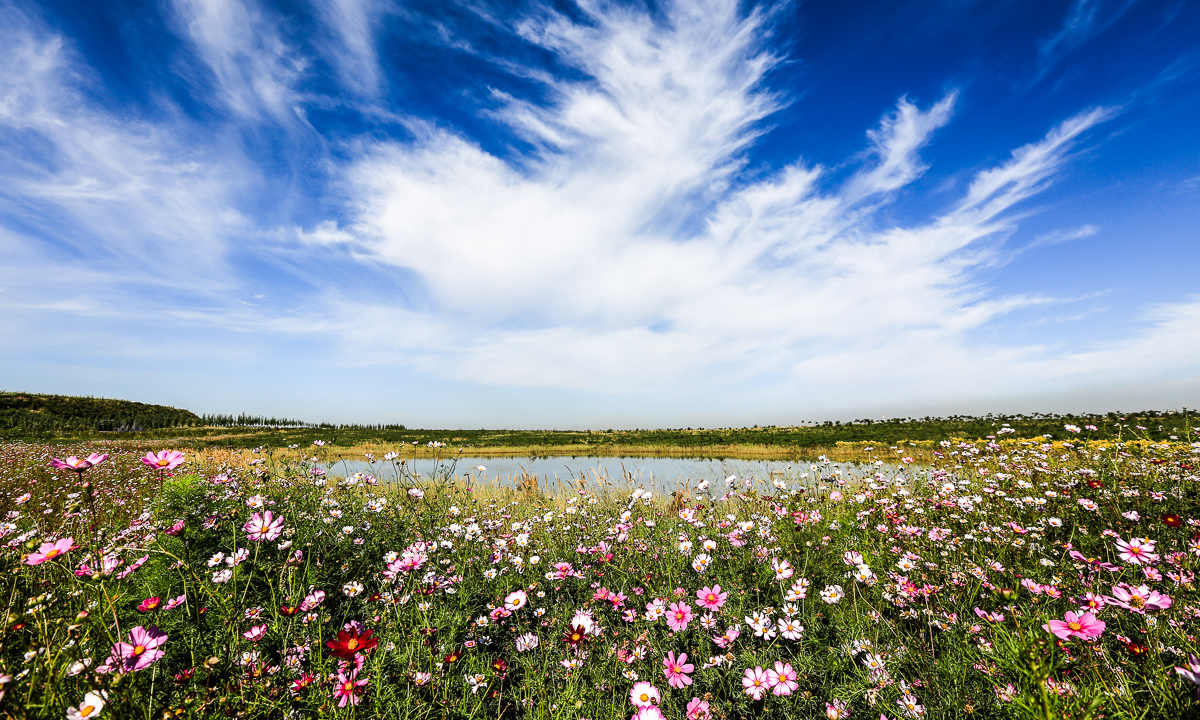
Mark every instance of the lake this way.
pixel 660 474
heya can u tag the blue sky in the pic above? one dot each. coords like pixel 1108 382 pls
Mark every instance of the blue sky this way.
pixel 462 213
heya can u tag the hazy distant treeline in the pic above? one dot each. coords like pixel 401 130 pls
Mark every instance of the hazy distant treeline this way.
pixel 32 415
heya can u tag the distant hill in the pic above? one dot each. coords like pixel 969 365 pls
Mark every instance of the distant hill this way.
pixel 28 414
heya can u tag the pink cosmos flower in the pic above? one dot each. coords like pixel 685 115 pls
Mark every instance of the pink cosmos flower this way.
pixel 644 695
pixel 725 640
pixel 176 528
pixel 141 651
pixel 836 710
pixel 648 713
pixel 313 599
pixel 263 526
pixel 150 603
pixel 783 678
pixel 347 688
pixel 1137 551
pixel 852 558
pixel 755 682
pixel 175 602
pixel 516 600
pixel 711 598
pixel 1191 673
pixel 1095 562
pixel 256 633
pixel 990 617
pixel 1140 599
pixel 698 709
pixel 164 459
pixel 49 551
pixel 678 616
pixel 528 641
pixel 677 670
pixel 1085 626
pixel 71 463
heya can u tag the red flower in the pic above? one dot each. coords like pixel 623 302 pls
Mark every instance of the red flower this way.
pixel 350 643
pixel 1171 520
pixel 288 609
pixel 576 635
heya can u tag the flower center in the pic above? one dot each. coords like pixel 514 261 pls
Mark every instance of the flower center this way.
pixel 52 553
pixel 139 650
pixel 1074 626
pixel 645 697
pixel 352 643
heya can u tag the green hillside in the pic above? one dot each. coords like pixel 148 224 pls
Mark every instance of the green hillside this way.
pixel 28 414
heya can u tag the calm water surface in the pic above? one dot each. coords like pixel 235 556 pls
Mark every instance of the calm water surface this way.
pixel 662 474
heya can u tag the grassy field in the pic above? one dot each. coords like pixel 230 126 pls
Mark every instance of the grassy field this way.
pixel 1005 578
pixel 47 418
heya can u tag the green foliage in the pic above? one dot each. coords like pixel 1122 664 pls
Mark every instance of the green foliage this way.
pixel 31 415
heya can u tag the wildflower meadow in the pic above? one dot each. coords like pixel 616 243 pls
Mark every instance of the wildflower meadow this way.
pixel 1035 578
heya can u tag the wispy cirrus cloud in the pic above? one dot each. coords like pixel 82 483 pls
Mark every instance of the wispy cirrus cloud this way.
pixel 632 249
pixel 252 68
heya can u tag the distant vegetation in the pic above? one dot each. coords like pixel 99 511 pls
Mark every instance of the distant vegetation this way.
pixel 25 416
pixel 29 415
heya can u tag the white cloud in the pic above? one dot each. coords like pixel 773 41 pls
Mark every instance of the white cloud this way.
pixel 630 251
pixel 254 70
pixel 352 23
pixel 128 196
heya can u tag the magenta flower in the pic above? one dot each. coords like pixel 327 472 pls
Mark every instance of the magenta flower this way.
pixel 648 713
pixel 677 670
pixel 141 651
pixel 164 459
pixel 71 463
pixel 176 528
pixel 1084 626
pixel 150 603
pixel 678 616
pixel 97 458
pixel 783 678
pixel 49 551
pixel 256 633
pixel 347 688
pixel 1095 562
pixel 1191 673
pixel 711 598
pixel 1139 599
pixel 755 682
pixel 175 602
pixel 263 526
pixel 1137 551
pixel 644 695
pixel 698 709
